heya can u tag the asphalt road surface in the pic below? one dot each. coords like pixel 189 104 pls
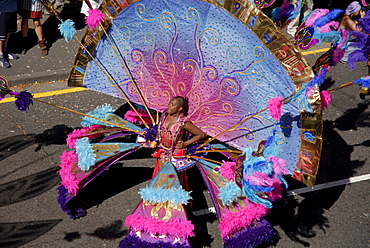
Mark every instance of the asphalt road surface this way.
pixel 335 213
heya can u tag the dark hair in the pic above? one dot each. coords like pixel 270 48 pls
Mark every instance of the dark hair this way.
pixel 184 104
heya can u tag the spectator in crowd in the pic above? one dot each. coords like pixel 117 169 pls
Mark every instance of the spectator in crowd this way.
pixel 8 24
pixel 30 9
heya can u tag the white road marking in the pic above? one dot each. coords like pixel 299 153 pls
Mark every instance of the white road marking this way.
pixel 303 190
pixel 329 184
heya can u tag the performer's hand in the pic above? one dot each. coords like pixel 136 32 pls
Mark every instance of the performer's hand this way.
pixel 180 144
pixel 362 13
pixel 153 144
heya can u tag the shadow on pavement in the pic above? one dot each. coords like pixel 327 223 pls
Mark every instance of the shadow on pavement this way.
pixel 302 219
pixel 14 144
pixel 54 136
pixel 28 187
pixel 110 183
pixel 112 231
pixel 354 118
pixel 19 233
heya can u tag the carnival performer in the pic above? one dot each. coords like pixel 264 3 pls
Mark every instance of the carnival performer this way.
pixel 162 210
pixel 172 132
pixel 160 219
pixel 352 13
pixel 349 22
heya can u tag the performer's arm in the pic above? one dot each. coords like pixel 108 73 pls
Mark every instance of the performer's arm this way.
pixel 198 134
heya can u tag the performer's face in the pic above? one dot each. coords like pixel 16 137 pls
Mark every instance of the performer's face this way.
pixel 174 107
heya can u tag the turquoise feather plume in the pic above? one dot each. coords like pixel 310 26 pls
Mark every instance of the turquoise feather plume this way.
pixel 67 29
pixel 229 193
pixel 160 195
pixel 85 153
pixel 100 112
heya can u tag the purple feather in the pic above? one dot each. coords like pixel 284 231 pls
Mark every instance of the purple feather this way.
pixel 359 36
pixel 24 100
pixel 192 149
pixel 356 56
pixel 73 213
pixel 253 236
pixel 319 78
pixel 151 133
pixel 357 44
pixel 364 23
pixel 132 240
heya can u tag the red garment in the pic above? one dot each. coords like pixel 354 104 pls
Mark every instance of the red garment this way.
pixel 30 9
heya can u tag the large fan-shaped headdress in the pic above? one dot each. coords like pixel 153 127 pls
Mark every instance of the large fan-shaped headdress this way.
pixel 228 59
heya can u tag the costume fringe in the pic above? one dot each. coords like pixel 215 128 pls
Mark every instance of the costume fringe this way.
pixel 86 156
pixel 229 193
pixel 80 133
pixel 73 213
pixel 100 112
pixel 233 222
pixel 161 195
pixel 325 99
pixel 228 170
pixel 260 233
pixel 175 227
pixel 69 180
pixel 132 240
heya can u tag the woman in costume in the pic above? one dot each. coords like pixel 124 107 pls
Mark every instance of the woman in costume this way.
pixel 162 210
pixel 160 219
pixel 349 22
pixel 171 133
pixel 352 12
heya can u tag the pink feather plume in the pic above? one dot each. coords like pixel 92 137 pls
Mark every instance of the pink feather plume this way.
pixel 228 170
pixel 259 178
pixel 236 221
pixel 132 117
pixel 80 133
pixel 328 27
pixel 325 99
pixel 279 165
pixel 69 180
pixel 275 194
pixel 275 107
pixel 175 227
pixel 94 18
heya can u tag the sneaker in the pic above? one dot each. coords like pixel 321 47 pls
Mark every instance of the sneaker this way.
pixel 3 62
pixel 12 56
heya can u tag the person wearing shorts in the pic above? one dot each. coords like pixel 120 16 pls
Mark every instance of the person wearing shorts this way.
pixel 29 9
pixel 8 25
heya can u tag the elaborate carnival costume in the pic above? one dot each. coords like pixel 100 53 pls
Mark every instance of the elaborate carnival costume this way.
pixel 247 89
pixel 233 64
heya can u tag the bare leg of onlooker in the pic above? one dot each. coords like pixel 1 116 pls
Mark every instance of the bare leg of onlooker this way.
pixel 24 31
pixel 3 46
pixel 40 36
